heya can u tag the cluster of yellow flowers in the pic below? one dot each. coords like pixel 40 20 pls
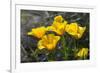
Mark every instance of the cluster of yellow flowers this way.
pixel 59 26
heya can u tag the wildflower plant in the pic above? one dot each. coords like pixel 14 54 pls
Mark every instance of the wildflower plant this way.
pixel 58 41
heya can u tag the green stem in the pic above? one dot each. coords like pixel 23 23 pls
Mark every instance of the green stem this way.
pixel 64 47
pixel 51 56
pixel 75 43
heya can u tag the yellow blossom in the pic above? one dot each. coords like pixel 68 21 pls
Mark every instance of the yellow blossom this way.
pixel 83 53
pixel 59 28
pixel 48 41
pixel 37 32
pixel 75 30
pixel 58 18
pixel 58 25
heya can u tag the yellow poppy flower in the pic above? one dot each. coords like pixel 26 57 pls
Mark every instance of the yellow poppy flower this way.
pixel 75 30
pixel 58 18
pixel 83 53
pixel 58 25
pixel 37 32
pixel 48 41
pixel 59 28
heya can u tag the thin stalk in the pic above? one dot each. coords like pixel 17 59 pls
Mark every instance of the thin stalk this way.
pixel 64 47
pixel 75 43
